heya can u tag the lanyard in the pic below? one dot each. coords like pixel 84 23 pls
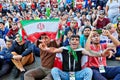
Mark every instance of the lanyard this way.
pixel 100 58
pixel 70 64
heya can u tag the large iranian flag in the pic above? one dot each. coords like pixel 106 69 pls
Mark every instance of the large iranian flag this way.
pixel 34 28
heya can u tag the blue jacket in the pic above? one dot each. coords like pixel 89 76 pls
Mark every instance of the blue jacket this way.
pixel 66 43
pixel 23 50
pixel 6 54
pixel 83 40
pixel 3 33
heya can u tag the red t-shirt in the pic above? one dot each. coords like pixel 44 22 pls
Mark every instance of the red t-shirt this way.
pixel 103 23
pixel 12 32
pixel 96 61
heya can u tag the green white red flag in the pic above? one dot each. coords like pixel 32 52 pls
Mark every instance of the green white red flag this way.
pixel 34 28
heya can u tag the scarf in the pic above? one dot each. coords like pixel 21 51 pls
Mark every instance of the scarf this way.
pixel 70 50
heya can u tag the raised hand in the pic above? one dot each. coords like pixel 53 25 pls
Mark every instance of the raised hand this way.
pixel 108 52
pixel 106 33
pixel 43 46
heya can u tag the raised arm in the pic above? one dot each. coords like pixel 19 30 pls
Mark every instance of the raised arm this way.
pixel 106 10
pixel 114 40
pixel 106 52
pixel 44 47
pixel 89 52
pixel 88 42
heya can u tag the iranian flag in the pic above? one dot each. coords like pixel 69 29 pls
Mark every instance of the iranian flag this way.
pixel 34 28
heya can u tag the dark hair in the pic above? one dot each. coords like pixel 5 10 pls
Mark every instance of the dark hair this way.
pixel 43 34
pixel 69 31
pixel 38 40
pixel 85 28
pixel 2 23
pixel 74 36
pixel 10 40
pixel 10 18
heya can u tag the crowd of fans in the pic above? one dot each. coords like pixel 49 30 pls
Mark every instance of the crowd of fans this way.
pixel 78 21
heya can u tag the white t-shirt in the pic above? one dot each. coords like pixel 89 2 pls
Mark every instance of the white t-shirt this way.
pixel 113 7
pixel 105 38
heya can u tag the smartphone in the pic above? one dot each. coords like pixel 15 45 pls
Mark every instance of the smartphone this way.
pixel 99 31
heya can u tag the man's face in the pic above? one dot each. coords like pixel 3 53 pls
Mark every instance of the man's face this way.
pixel 45 39
pixel 1 26
pixel 69 34
pixel 14 26
pixel 78 14
pixel 8 44
pixel 87 23
pixel 18 40
pixel 101 16
pixel 86 32
pixel 4 18
pixel 72 24
pixel 9 20
pixel 74 43
pixel 83 17
pixel 95 38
